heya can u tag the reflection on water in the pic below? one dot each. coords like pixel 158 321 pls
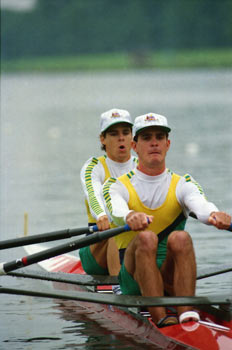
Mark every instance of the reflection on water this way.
pixel 50 126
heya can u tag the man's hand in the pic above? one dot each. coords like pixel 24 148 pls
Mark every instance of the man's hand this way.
pixel 220 219
pixel 138 221
pixel 103 223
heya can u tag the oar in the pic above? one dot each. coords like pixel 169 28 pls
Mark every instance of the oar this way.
pixel 123 300
pixel 95 280
pixel 55 235
pixel 213 271
pixel 61 249
pixel 72 278
pixel 47 237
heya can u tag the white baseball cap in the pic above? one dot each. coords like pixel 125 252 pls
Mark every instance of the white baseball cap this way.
pixel 150 119
pixel 114 116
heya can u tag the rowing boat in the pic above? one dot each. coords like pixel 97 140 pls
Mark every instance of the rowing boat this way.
pixel 214 331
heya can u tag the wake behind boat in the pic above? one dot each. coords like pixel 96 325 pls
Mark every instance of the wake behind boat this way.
pixel 214 331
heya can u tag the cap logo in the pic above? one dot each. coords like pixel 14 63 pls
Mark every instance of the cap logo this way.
pixel 115 115
pixel 150 117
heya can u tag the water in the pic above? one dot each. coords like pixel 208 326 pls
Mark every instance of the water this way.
pixel 50 126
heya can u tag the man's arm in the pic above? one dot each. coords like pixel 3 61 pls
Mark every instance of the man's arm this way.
pixel 92 177
pixel 116 199
pixel 220 219
pixel 192 198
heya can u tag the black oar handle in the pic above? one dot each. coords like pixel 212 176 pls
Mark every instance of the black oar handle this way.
pixel 46 237
pixel 62 249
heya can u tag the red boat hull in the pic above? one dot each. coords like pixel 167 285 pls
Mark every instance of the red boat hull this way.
pixel 191 335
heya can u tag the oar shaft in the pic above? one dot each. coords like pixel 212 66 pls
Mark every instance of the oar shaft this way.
pixel 95 280
pixel 52 236
pixel 46 237
pixel 123 300
pixel 213 271
pixel 62 249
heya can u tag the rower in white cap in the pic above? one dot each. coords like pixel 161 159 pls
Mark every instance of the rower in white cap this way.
pixel 158 254
pixel 116 138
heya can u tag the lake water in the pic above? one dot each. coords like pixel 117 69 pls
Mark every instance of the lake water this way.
pixel 50 126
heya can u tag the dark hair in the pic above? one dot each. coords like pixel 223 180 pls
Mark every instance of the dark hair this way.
pixel 136 136
pixel 103 147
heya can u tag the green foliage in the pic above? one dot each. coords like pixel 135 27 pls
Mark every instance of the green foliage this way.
pixel 74 27
pixel 154 60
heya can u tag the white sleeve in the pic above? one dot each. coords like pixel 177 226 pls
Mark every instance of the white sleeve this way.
pixel 92 187
pixel 116 199
pixel 192 199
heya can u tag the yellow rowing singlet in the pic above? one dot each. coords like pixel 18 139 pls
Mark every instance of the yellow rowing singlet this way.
pixel 166 217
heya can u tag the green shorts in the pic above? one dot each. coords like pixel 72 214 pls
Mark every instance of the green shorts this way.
pixel 89 263
pixel 127 283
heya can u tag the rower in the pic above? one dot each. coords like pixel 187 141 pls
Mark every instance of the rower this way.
pixel 116 138
pixel 158 256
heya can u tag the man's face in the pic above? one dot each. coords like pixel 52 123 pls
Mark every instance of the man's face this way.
pixel 117 141
pixel 152 146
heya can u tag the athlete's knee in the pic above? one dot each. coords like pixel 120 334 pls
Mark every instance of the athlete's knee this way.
pixel 147 243
pixel 180 241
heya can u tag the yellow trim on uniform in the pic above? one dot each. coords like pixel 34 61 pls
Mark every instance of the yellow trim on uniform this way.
pixel 164 215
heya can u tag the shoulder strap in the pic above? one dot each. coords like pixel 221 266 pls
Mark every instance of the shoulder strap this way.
pixel 102 160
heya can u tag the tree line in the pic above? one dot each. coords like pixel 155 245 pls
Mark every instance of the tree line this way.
pixel 72 27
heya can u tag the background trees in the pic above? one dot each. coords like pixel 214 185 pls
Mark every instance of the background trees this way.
pixel 70 27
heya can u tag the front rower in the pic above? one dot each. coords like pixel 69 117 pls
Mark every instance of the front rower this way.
pixel 159 256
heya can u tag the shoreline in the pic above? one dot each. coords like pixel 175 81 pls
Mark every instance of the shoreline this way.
pixel 181 59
